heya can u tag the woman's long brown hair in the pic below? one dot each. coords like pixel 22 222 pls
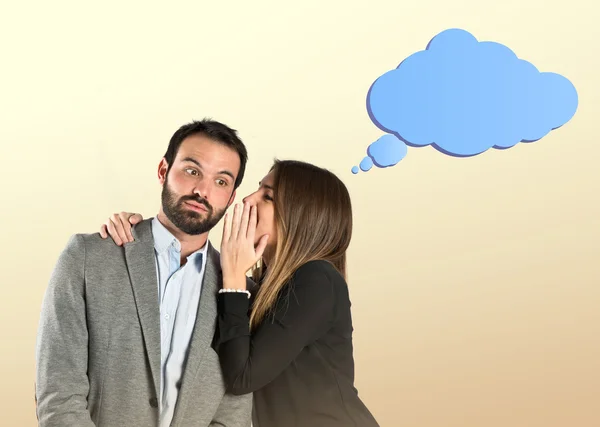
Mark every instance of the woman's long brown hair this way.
pixel 313 219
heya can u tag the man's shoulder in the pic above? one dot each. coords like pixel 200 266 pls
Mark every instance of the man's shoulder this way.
pixel 212 252
pixel 95 240
pixel 91 246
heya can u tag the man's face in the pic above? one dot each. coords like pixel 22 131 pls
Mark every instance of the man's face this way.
pixel 198 188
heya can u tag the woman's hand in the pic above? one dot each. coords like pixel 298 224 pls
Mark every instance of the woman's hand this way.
pixel 238 253
pixel 119 225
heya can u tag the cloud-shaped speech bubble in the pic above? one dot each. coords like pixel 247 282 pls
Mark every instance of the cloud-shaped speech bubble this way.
pixel 463 97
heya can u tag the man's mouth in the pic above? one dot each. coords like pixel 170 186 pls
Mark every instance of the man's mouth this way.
pixel 198 207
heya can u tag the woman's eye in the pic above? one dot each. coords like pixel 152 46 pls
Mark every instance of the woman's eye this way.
pixel 267 197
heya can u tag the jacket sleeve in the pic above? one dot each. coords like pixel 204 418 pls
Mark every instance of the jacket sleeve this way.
pixel 62 384
pixel 233 411
pixel 304 312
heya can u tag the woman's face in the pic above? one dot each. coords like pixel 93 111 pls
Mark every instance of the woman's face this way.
pixel 265 210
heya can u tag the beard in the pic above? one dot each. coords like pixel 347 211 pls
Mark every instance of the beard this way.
pixel 186 220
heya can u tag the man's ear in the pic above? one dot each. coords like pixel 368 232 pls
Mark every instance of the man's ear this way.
pixel 163 168
pixel 232 198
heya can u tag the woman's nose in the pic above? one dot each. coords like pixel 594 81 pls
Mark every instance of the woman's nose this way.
pixel 249 199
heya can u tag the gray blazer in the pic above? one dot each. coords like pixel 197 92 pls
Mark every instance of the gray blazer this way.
pixel 98 346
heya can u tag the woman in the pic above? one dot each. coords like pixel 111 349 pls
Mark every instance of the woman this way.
pixel 291 343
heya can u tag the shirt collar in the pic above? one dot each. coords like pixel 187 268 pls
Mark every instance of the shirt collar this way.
pixel 163 239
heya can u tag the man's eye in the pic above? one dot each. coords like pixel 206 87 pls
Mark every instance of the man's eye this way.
pixel 192 171
pixel 221 182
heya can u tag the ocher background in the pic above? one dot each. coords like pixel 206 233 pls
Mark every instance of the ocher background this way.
pixel 474 281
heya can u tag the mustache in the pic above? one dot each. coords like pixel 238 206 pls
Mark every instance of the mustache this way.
pixel 198 200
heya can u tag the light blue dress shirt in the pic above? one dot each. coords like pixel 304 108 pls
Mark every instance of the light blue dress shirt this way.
pixel 179 295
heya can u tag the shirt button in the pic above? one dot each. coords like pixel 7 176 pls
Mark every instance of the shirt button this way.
pixel 154 402
pixel 167 316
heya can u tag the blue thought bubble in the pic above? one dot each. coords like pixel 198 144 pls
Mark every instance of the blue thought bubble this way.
pixel 464 97
pixel 366 164
pixel 387 151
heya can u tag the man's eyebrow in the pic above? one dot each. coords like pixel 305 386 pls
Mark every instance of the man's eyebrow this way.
pixel 197 163
pixel 189 159
pixel 226 172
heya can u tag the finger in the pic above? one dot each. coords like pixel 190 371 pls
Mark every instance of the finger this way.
pixel 244 222
pixel 226 228
pixel 124 217
pixel 113 232
pixel 116 220
pixel 103 232
pixel 235 226
pixel 260 248
pixel 135 219
pixel 252 224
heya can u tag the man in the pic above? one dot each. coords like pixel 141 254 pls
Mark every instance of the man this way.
pixel 126 331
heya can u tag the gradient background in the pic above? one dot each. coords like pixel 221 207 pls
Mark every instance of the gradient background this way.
pixel 474 281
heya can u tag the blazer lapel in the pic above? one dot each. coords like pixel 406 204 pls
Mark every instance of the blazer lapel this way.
pixel 142 273
pixel 204 329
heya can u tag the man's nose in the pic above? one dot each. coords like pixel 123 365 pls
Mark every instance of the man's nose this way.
pixel 202 189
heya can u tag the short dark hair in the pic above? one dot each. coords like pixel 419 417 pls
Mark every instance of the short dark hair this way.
pixel 214 130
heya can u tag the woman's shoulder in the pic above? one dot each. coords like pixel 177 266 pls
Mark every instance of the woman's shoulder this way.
pixel 319 270
pixel 320 281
